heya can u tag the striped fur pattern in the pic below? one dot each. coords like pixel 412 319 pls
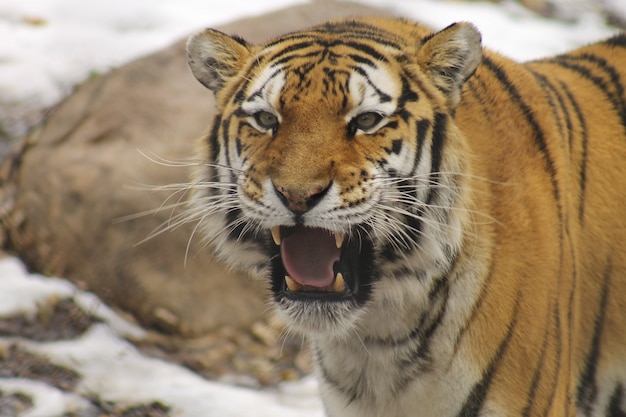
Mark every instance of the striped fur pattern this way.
pixel 446 226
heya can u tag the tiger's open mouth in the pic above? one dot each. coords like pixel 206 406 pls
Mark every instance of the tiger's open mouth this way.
pixel 314 263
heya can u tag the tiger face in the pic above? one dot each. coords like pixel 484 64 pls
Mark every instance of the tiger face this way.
pixel 326 171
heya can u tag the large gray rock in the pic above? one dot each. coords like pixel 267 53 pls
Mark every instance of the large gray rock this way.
pixel 84 167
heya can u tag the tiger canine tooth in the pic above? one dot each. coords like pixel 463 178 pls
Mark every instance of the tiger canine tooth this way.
pixel 292 284
pixel 276 235
pixel 339 236
pixel 340 284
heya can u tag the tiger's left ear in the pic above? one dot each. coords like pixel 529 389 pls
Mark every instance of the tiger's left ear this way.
pixel 449 57
pixel 214 57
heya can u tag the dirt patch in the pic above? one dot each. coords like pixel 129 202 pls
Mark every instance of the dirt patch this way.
pixel 18 362
pixel 110 409
pixel 56 319
pixel 14 404
pixel 257 356
pixel 260 356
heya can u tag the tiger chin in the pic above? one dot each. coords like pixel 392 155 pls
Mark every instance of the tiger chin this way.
pixel 446 226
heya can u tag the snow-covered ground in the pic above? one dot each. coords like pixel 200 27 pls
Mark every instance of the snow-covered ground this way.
pixel 114 370
pixel 47 46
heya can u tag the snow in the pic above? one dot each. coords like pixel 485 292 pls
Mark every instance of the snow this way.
pixel 115 370
pixel 48 401
pixel 50 45
pixel 19 295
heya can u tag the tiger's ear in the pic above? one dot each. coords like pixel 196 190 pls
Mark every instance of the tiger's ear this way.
pixel 450 57
pixel 214 57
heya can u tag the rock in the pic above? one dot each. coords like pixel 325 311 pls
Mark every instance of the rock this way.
pixel 72 193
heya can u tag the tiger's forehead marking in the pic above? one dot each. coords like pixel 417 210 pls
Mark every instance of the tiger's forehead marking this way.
pixel 368 83
pixel 264 90
pixel 373 89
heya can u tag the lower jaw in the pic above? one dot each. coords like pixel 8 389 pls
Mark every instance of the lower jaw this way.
pixel 318 317
pixel 314 314
pixel 310 295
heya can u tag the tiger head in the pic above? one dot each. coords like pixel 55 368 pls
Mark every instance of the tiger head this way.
pixel 328 167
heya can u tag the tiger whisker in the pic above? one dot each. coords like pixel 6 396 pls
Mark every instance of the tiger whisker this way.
pixel 411 201
pixel 157 159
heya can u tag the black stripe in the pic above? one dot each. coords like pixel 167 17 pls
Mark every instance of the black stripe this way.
pixel 357 30
pixel 472 87
pixel 232 217
pixel 352 40
pixel 363 60
pixel 439 134
pixel 476 307
pixel 360 30
pixel 225 140
pixel 352 393
pixel 584 143
pixel 614 409
pixel 538 134
pixel 476 399
pixel 553 91
pixel 396 341
pixel 225 136
pixel 587 389
pixel 617 40
pixel 293 56
pixel 407 94
pixel 398 248
pixel 367 49
pixel 419 359
pixel 349 392
pixel 439 289
pixel 392 125
pixel 422 130
pixel 396 146
pixel 214 147
pixel 384 97
pixel 614 76
pixel 575 63
pixel 557 108
pixel 291 48
pixel 259 92
pixel 558 356
pixel 290 37
pixel 571 305
pixel 238 146
pixel 539 370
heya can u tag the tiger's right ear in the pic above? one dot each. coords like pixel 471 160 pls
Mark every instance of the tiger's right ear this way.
pixel 450 56
pixel 214 57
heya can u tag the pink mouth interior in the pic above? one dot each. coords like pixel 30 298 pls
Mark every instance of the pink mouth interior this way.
pixel 308 255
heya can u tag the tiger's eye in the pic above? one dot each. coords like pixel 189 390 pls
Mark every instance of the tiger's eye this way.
pixel 265 119
pixel 368 120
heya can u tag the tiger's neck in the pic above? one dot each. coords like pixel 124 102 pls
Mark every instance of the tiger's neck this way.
pixel 420 372
pixel 404 355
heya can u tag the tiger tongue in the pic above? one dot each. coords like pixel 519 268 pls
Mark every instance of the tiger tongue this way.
pixel 308 255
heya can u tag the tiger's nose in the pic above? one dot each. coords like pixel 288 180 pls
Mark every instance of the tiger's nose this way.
pixel 302 199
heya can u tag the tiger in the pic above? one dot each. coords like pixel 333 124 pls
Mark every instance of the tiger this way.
pixel 442 224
